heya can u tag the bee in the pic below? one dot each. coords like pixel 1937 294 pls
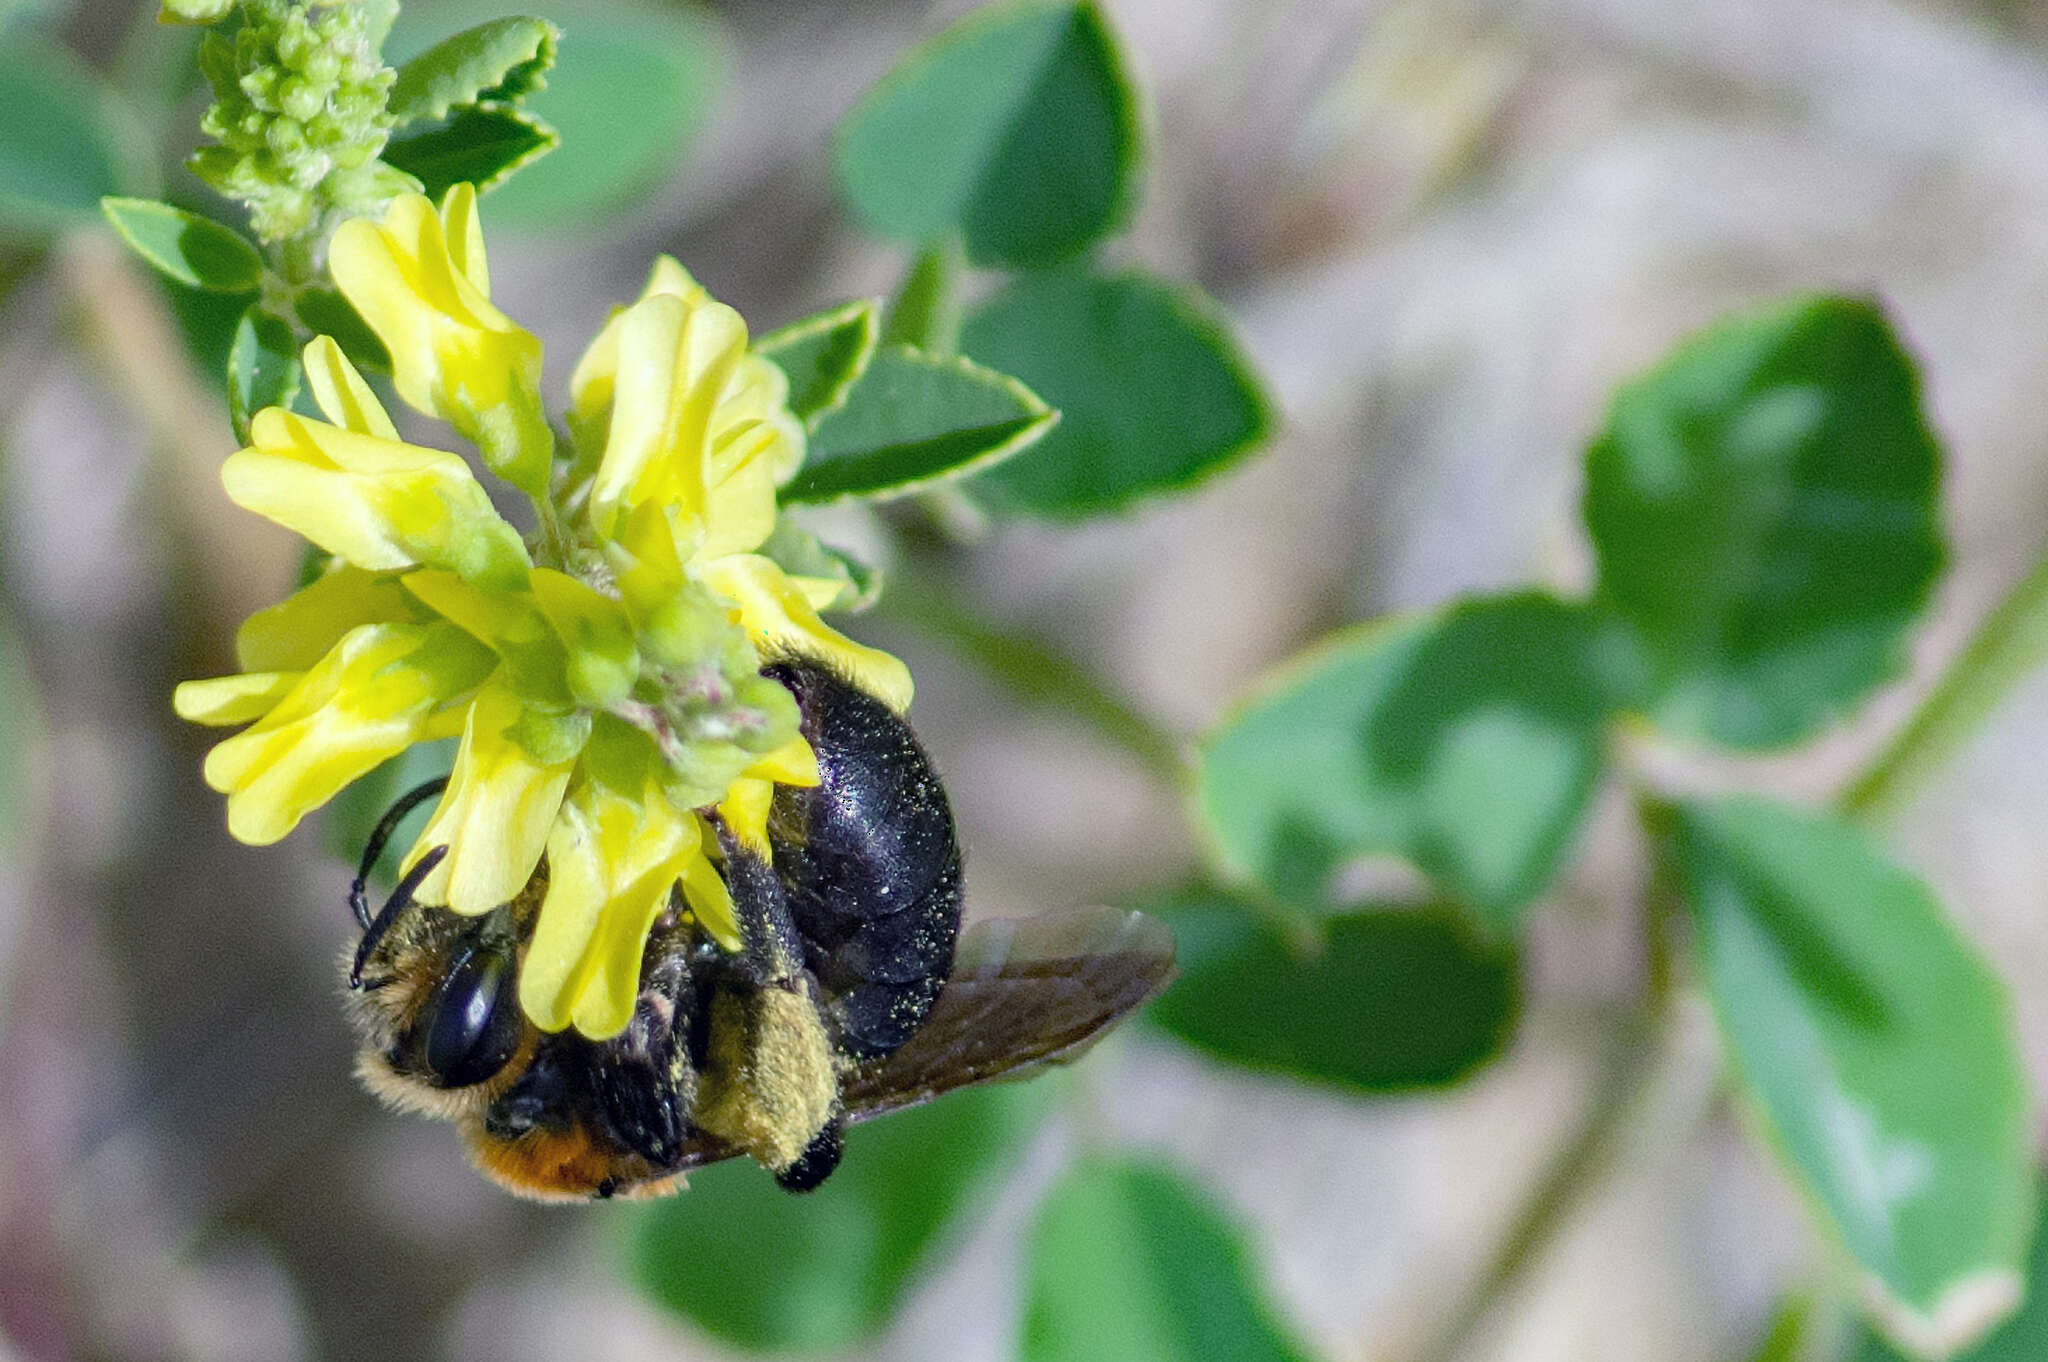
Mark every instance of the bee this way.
pixel 856 992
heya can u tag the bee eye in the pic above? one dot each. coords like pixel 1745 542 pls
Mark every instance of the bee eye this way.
pixel 472 1022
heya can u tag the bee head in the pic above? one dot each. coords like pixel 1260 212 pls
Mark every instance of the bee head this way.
pixel 437 1006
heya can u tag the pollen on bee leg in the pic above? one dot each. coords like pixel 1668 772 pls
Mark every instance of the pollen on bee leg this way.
pixel 770 1085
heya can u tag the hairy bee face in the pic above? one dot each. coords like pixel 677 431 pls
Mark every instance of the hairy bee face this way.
pixel 854 994
pixel 437 1006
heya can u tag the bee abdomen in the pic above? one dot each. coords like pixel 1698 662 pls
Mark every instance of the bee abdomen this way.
pixel 870 862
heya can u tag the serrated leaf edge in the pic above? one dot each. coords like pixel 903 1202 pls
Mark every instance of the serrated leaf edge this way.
pixel 547 38
pixel 1193 305
pixel 803 328
pixel 1046 418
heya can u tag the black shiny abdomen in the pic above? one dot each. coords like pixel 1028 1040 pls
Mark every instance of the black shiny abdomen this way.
pixel 869 862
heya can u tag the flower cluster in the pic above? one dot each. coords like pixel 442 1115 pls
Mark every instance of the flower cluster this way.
pixel 299 112
pixel 603 675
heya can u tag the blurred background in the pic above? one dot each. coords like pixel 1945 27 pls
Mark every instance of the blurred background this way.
pixel 1442 229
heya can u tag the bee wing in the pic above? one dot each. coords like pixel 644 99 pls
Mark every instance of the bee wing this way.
pixel 1025 993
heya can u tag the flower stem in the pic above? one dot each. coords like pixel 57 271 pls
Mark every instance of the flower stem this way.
pixel 2010 642
pixel 1563 1188
pixel 1630 1100
pixel 1035 671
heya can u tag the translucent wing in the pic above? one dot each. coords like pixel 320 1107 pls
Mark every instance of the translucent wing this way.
pixel 1025 993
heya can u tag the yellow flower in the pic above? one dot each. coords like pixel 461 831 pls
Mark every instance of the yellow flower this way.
pixel 420 280
pixel 604 678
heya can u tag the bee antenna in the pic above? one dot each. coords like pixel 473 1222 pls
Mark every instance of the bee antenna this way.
pixel 358 889
pixel 400 900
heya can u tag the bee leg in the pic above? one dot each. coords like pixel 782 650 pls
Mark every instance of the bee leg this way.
pixel 400 900
pixel 771 952
pixel 358 889
pixel 816 1163
pixel 770 1084
pixel 644 1079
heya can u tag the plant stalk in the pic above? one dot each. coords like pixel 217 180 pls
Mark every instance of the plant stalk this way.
pixel 2010 642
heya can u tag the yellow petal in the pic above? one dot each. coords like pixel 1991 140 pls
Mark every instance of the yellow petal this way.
pixel 366 701
pixel 341 393
pixel 740 493
pixel 297 632
pixel 223 700
pixel 745 810
pixel 777 616
pixel 557 963
pixel 673 361
pixel 620 857
pixel 793 763
pixel 453 355
pixel 464 230
pixel 495 814
pixel 512 624
pixel 711 902
pixel 381 504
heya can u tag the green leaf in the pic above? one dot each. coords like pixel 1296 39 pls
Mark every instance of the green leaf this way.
pixel 195 251
pixel 1465 741
pixel 1764 506
pixel 327 313
pixel 61 152
pixel 763 1269
pixel 1791 1334
pixel 263 367
pixel 632 86
pixel 1153 393
pixel 500 60
pixel 926 310
pixel 799 552
pixel 1879 1052
pixel 483 146
pixel 823 354
pixel 1017 127
pixel 1378 1000
pixel 1129 1263
pixel 913 420
pixel 2022 1338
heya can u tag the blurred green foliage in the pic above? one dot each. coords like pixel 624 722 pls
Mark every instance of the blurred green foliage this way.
pixel 1378 999
pixel 1876 1045
pixel 1130 1263
pixel 1764 516
pixel 763 1269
